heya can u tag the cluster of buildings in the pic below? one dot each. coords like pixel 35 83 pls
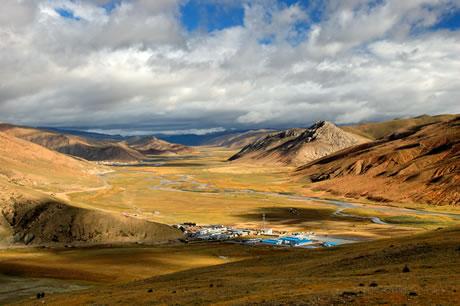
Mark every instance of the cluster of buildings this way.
pixel 217 232
pixel 192 231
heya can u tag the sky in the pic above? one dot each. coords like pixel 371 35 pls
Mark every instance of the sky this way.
pixel 213 65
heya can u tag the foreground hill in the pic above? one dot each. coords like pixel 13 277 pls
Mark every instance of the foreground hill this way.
pixel 415 270
pixel 152 145
pixel 298 146
pixel 420 164
pixel 47 221
pixel 377 130
pixel 30 175
pixel 92 150
pixel 239 140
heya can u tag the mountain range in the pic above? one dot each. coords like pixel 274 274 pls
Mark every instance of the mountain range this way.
pixel 417 164
pixel 128 149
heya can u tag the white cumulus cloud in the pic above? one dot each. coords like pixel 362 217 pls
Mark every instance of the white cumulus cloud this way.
pixel 137 67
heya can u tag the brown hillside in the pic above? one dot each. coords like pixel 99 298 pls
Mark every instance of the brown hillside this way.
pixel 298 146
pixel 152 145
pixel 73 145
pixel 421 164
pixel 239 140
pixel 30 174
pixel 46 222
pixel 377 130
pixel 27 164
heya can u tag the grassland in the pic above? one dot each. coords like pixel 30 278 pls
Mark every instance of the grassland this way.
pixel 359 274
pixel 203 188
pixel 96 266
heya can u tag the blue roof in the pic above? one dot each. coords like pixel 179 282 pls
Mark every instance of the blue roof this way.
pixel 295 239
pixel 290 238
pixel 270 241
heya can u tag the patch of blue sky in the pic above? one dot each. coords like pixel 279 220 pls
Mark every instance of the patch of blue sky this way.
pixel 314 8
pixel 111 5
pixel 206 15
pixel 210 15
pixel 67 14
pixel 267 40
pixel 372 4
pixel 299 33
pixel 449 21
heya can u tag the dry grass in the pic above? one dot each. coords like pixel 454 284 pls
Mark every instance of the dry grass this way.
pixel 203 188
pixel 235 274
pixel 98 266
pixel 322 277
pixel 26 164
pixel 376 130
pixel 118 264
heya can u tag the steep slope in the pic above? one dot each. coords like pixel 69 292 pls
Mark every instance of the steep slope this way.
pixel 46 222
pixel 29 213
pixel 155 146
pixel 421 164
pixel 238 140
pixel 76 146
pixel 377 130
pixel 371 273
pixel 27 164
pixel 297 146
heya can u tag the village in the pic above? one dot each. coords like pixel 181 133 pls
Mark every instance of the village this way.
pixel 265 236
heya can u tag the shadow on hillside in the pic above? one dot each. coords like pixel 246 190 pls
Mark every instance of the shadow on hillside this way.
pixel 177 165
pixel 295 215
pixel 153 164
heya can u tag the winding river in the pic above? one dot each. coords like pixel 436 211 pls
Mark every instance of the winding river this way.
pixel 168 184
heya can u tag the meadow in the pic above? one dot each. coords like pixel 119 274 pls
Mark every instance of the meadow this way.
pixel 418 270
pixel 205 189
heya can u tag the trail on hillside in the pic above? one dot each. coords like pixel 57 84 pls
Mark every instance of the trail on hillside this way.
pixel 65 195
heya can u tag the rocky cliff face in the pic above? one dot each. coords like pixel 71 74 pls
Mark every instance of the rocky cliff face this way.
pixel 297 146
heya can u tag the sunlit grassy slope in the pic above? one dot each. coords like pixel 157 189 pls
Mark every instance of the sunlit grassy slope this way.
pixel 23 163
pixel 97 267
pixel 361 274
pixel 376 130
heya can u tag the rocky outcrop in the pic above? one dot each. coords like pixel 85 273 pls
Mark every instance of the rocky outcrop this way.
pixel 297 146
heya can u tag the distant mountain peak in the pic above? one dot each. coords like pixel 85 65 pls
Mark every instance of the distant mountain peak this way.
pixel 299 145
